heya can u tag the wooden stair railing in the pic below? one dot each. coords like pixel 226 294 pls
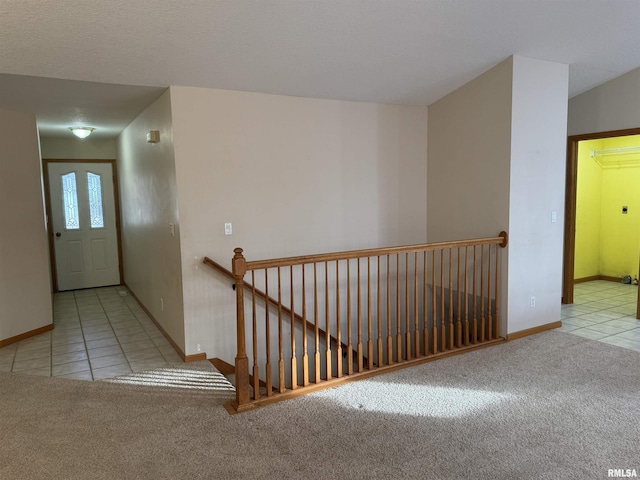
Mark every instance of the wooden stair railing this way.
pixel 274 303
pixel 432 300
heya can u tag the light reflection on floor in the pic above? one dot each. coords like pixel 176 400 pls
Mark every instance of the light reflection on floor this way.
pixel 177 378
pixel 416 400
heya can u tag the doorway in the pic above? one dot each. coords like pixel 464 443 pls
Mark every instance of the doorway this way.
pixel 571 207
pixel 83 223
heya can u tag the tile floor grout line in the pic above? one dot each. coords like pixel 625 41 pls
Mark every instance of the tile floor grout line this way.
pixel 84 340
pixel 116 335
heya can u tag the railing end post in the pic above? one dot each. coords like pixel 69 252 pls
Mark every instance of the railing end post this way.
pixel 239 263
pixel 505 238
pixel 242 362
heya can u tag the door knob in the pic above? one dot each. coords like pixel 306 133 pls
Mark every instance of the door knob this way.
pixel 58 234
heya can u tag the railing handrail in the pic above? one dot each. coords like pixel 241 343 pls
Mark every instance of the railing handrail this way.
pixel 501 240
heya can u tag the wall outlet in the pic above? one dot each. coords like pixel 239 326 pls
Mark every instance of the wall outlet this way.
pixel 533 302
pixel 198 346
pixel 228 229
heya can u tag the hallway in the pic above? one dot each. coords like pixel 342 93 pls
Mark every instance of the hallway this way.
pixel 99 333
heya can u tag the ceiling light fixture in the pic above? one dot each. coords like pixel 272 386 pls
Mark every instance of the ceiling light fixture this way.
pixel 81 132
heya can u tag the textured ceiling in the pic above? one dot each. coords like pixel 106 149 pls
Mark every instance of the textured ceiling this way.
pixel 389 51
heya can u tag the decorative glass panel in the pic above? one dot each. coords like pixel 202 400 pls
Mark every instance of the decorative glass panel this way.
pixel 94 184
pixel 70 201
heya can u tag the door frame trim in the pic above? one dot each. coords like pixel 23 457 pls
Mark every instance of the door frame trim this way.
pixel 571 192
pixel 116 201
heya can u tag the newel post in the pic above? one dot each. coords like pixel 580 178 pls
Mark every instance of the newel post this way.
pixel 242 362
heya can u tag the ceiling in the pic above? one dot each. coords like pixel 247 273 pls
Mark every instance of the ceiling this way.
pixel 388 51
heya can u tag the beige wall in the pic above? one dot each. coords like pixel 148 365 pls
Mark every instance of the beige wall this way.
pixel 25 282
pixel 151 255
pixel 468 166
pixel 614 105
pixel 73 148
pixel 293 176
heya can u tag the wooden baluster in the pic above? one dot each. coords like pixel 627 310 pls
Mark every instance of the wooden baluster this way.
pixel 490 314
pixel 496 320
pixel 349 339
pixel 359 347
pixel 389 337
pixel 338 329
pixel 398 319
pixel 416 326
pixel 425 313
pixel 256 370
pixel 458 323
pixel 379 313
pixel 327 325
pixel 482 313
pixel 294 364
pixel 434 320
pixel 305 356
pixel 315 321
pixel 281 380
pixel 267 327
pixel 443 327
pixel 451 332
pixel 474 318
pixel 407 316
pixel 369 329
pixel 242 362
pixel 505 240
pixel 466 297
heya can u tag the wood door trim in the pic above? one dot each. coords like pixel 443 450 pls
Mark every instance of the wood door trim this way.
pixel 570 206
pixel 47 191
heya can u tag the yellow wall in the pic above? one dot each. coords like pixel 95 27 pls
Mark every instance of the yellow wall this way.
pixel 588 211
pixel 607 241
pixel 620 234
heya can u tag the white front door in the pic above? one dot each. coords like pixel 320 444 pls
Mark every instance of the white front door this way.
pixel 83 220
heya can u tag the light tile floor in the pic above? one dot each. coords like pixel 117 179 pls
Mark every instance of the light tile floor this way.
pixel 604 311
pixel 99 333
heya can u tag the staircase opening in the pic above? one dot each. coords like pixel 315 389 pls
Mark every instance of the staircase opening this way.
pixel 312 322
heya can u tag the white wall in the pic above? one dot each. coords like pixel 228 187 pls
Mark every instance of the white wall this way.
pixel 294 176
pixel 537 185
pixel 614 105
pixel 497 151
pixel 151 255
pixel 72 148
pixel 25 281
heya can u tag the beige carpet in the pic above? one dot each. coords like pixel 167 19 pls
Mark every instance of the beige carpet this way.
pixel 545 407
